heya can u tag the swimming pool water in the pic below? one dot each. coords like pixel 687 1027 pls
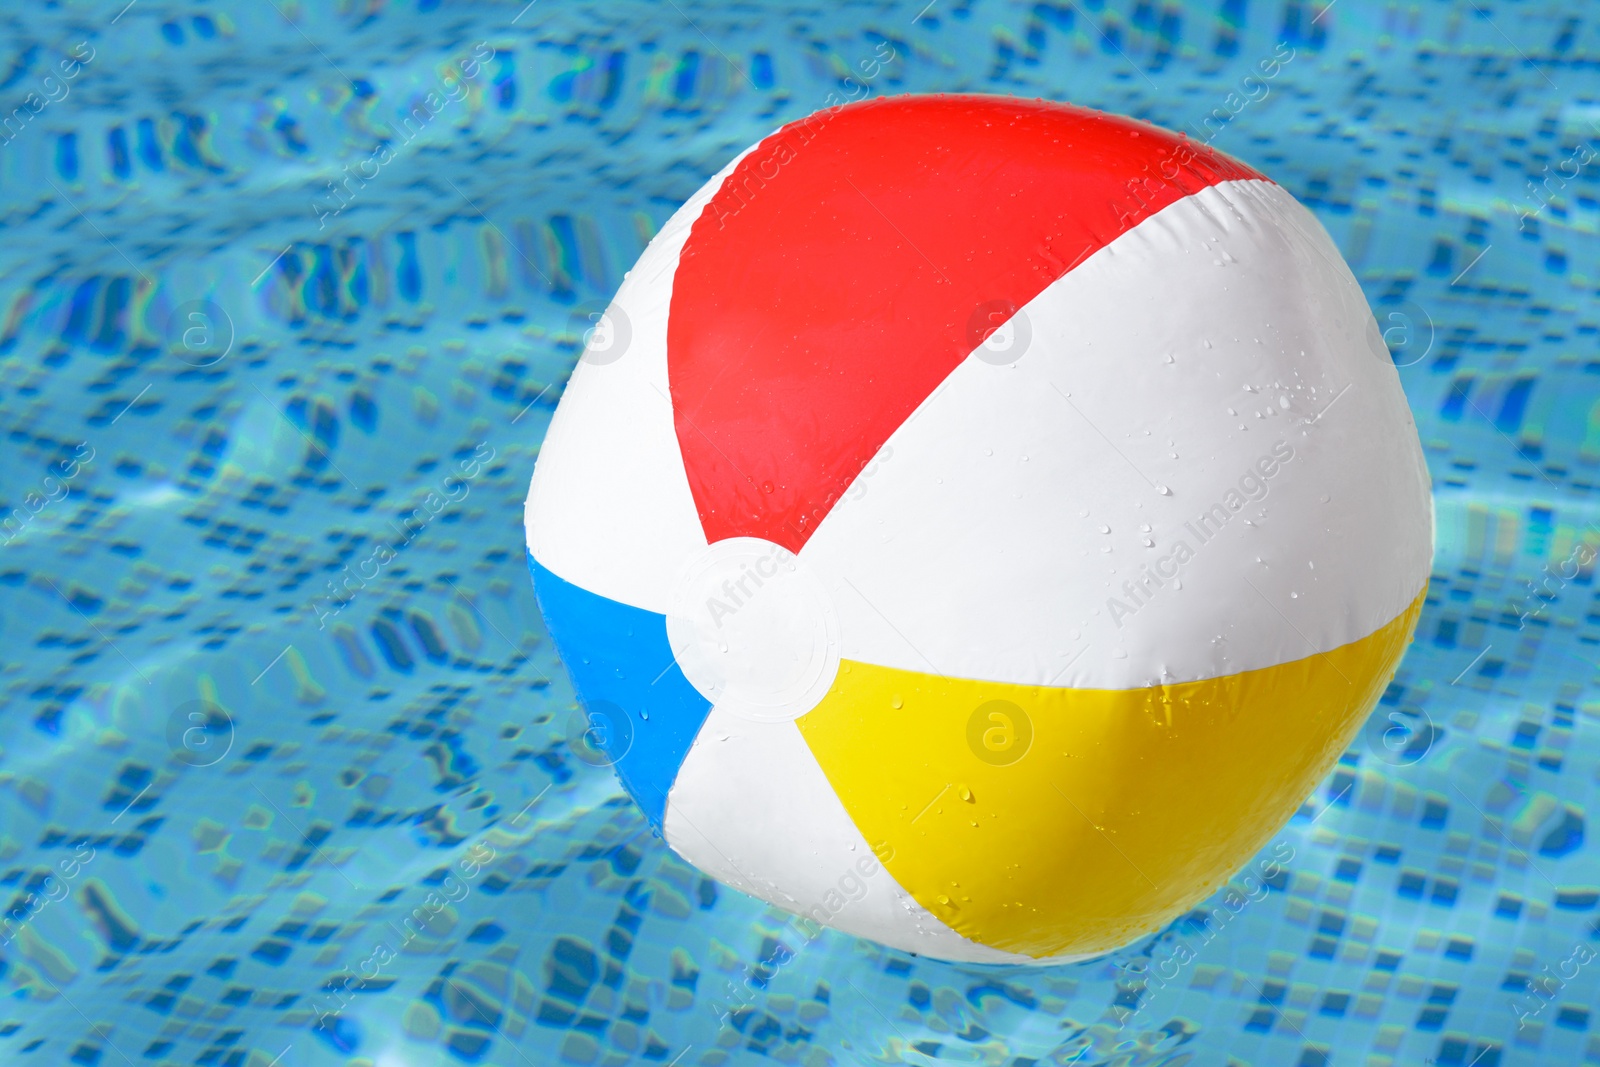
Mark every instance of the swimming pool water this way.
pixel 288 768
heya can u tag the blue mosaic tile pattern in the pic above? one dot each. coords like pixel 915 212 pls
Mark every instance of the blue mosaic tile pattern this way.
pixel 289 773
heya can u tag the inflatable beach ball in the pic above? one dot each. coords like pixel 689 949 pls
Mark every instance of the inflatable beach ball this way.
pixel 978 524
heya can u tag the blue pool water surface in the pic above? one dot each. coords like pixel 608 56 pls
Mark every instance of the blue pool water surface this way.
pixel 289 773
